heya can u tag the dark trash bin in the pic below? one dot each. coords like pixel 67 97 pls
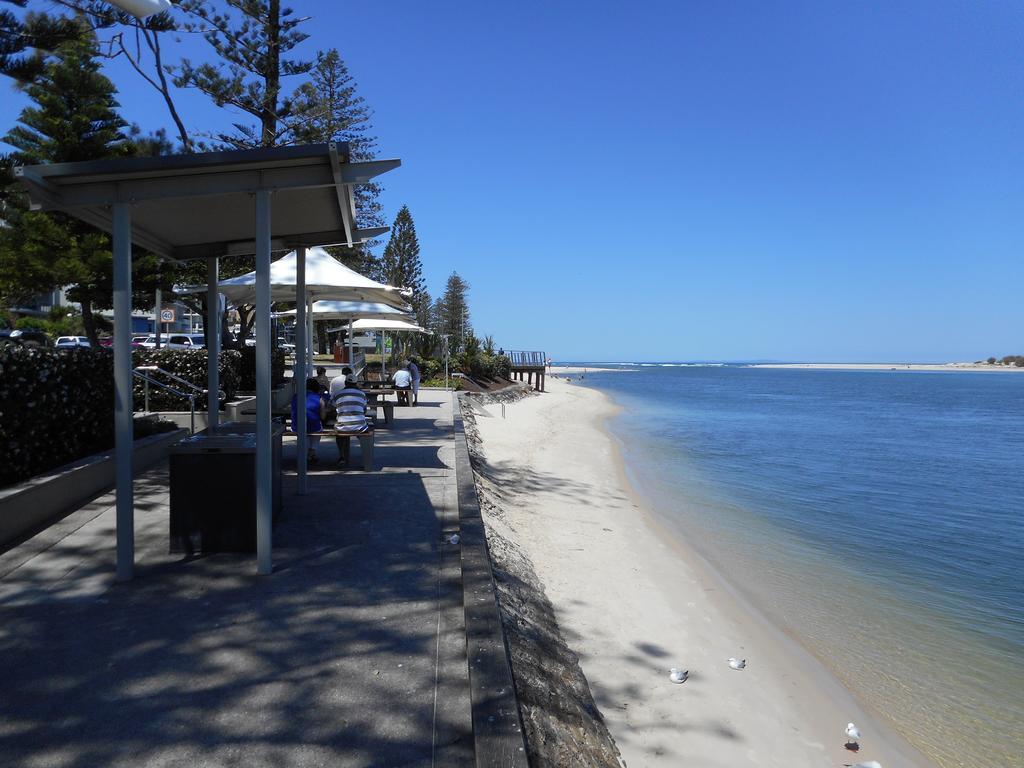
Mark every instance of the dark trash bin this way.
pixel 213 489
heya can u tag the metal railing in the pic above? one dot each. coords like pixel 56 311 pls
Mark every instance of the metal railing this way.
pixel 148 375
pixel 527 359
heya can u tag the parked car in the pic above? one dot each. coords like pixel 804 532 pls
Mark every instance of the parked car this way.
pixel 176 341
pixel 24 337
pixel 72 341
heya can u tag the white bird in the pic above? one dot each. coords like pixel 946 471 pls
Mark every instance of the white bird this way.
pixel 868 764
pixel 852 733
pixel 737 663
pixel 678 675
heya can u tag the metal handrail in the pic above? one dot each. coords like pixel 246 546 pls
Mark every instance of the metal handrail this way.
pixel 143 372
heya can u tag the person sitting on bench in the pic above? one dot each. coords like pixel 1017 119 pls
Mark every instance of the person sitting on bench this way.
pixel 403 384
pixel 350 403
pixel 315 414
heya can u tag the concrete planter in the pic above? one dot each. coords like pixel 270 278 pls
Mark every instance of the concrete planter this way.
pixel 46 497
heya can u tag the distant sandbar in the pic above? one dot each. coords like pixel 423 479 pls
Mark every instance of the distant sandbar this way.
pixel 894 366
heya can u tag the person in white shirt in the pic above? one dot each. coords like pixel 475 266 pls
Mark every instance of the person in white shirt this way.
pixel 403 384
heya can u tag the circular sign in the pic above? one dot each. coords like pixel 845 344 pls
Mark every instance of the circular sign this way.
pixel 166 315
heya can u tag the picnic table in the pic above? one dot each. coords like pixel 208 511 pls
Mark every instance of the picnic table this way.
pixel 375 398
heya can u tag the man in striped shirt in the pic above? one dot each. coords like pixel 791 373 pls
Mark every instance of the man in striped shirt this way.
pixel 350 403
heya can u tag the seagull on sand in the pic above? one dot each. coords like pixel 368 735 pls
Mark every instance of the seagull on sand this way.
pixel 868 764
pixel 678 675
pixel 737 663
pixel 852 736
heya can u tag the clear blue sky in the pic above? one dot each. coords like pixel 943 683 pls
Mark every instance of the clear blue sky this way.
pixel 686 181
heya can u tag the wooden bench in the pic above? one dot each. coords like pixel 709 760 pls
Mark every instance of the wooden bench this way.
pixel 365 443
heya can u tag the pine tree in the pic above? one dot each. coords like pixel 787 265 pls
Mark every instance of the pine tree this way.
pixel 400 264
pixel 73 117
pixel 328 108
pixel 24 41
pixel 251 50
pixel 453 313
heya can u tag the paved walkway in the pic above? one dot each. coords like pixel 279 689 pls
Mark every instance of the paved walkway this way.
pixel 351 654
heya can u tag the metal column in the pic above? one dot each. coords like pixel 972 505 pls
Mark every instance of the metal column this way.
pixel 156 312
pixel 264 481
pixel 212 343
pixel 123 437
pixel 300 374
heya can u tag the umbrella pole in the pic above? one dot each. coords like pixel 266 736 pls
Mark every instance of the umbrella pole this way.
pixel 351 348
pixel 309 337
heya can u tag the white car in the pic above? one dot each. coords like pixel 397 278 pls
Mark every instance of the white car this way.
pixel 72 341
pixel 176 341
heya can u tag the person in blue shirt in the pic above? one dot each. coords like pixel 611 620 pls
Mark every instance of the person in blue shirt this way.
pixel 315 413
pixel 414 371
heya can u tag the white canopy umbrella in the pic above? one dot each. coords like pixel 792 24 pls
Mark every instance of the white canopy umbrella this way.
pixel 370 324
pixel 345 310
pixel 306 275
pixel 384 325
pixel 351 311
pixel 326 278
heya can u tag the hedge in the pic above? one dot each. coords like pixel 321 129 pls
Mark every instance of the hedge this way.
pixel 56 406
pixel 247 369
pixel 187 364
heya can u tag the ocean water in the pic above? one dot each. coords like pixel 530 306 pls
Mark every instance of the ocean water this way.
pixel 876 516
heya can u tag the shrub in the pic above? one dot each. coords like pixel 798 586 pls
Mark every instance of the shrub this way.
pixel 430 367
pixel 247 369
pixel 454 383
pixel 189 365
pixel 55 406
pixel 503 366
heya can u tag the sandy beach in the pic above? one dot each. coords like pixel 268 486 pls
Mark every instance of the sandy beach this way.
pixel 634 601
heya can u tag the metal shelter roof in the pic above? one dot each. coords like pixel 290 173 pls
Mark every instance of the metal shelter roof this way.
pixel 200 206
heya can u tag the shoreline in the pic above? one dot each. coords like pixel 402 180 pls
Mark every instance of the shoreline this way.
pixel 936 367
pixel 741 607
pixel 941 367
pixel 622 564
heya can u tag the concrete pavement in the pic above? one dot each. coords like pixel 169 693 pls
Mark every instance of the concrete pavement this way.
pixel 351 654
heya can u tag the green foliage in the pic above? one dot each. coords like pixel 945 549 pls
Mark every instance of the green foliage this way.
pixel 400 264
pixel 451 313
pixel 24 42
pixel 186 364
pixel 53 327
pixel 55 406
pixel 503 366
pixel 250 49
pixel 247 369
pixel 72 117
pixel 453 383
pixel 480 365
pixel 329 109
pixel 1014 360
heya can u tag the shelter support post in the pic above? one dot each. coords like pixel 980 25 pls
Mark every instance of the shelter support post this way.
pixel 157 309
pixel 264 481
pixel 300 374
pixel 123 438
pixel 212 344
